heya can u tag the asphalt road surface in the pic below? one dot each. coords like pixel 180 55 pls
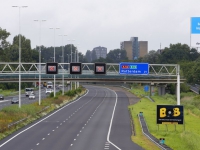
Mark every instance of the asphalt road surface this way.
pixel 97 121
pixel 24 99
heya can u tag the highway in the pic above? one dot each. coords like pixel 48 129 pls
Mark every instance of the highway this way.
pixel 99 120
pixel 24 99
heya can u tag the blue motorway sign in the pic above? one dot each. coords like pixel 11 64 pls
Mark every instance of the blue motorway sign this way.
pixel 195 25
pixel 134 68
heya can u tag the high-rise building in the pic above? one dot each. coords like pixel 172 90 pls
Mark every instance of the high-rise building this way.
pixel 100 52
pixel 127 45
pixel 134 48
pixel 143 48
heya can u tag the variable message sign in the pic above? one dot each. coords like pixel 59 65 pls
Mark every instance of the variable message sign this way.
pixel 100 68
pixel 52 68
pixel 75 68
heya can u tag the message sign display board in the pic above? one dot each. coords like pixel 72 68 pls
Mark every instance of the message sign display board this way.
pixel 170 114
pixel 52 68
pixel 195 31
pixel 75 68
pixel 134 68
pixel 100 68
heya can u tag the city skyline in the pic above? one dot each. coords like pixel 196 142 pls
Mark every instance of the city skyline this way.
pixel 107 23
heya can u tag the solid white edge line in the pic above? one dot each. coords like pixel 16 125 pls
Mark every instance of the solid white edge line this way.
pixel 109 130
pixel 42 119
pixel 150 137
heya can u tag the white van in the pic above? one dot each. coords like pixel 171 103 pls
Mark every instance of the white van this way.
pixel 49 84
pixel 29 91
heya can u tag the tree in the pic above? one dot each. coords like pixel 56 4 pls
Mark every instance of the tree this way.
pixel 194 54
pixel 4 45
pixel 26 53
pixel 116 56
pixel 152 57
pixel 175 53
pixel 3 36
pixel 88 55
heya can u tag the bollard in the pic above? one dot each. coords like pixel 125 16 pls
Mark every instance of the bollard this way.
pixel 162 141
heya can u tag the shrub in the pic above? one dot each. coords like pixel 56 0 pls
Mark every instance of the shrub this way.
pixel 51 94
pixel 70 93
pixel 79 90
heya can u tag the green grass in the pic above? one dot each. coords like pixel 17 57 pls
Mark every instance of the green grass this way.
pixel 177 137
pixel 8 92
pixel 33 111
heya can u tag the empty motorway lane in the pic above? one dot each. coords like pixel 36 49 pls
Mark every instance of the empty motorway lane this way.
pixel 97 121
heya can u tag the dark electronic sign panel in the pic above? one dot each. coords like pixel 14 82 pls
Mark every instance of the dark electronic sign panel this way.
pixel 170 114
pixel 52 68
pixel 75 68
pixel 100 68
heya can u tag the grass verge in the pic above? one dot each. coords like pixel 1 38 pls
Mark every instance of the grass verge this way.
pixel 178 137
pixel 30 112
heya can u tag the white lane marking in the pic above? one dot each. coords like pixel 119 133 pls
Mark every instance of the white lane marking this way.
pixel 43 139
pixel 48 134
pixel 52 130
pixel 37 143
pixel 71 145
pixel 109 130
pixel 4 101
pixel 43 119
pixel 77 134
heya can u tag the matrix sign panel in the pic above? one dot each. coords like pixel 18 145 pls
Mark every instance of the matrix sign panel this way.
pixel 52 68
pixel 170 114
pixel 100 68
pixel 75 68
pixel 134 68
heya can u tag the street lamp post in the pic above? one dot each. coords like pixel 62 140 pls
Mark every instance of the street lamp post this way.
pixel 54 61
pixel 71 48
pixel 20 55
pixel 40 21
pixel 71 60
pixel 77 61
pixel 63 64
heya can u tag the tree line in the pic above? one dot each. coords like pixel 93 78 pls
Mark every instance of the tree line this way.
pixel 188 58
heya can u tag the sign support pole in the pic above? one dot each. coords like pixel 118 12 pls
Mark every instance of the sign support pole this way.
pixel 178 85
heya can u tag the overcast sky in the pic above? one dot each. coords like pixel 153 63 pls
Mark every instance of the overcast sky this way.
pixel 104 23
